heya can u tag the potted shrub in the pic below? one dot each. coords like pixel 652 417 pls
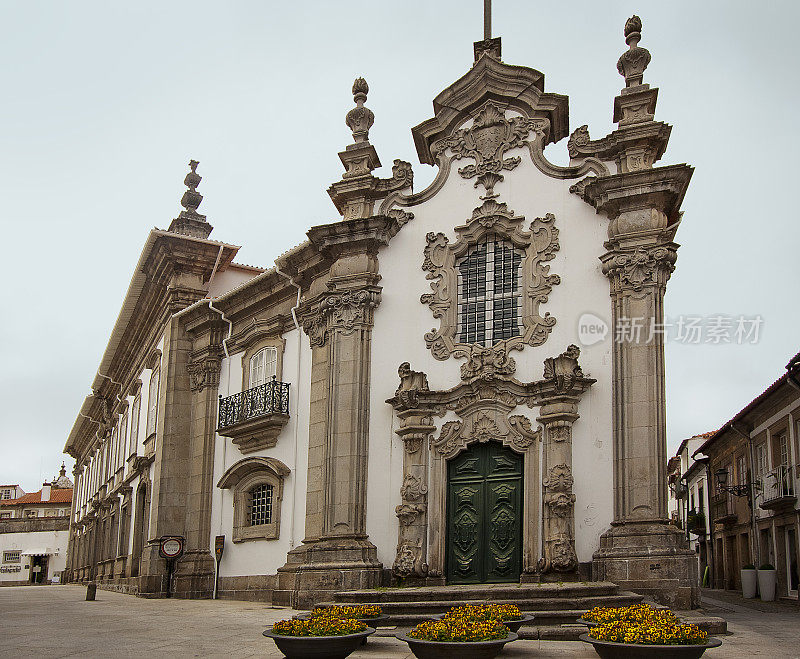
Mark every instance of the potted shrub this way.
pixel 641 631
pixel 319 637
pixel 749 581
pixel 767 579
pixel 458 637
pixel 508 614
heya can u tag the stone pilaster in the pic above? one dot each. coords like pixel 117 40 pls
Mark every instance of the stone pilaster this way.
pixel 416 426
pixel 336 553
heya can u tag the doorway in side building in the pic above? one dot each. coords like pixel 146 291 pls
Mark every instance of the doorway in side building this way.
pixel 38 569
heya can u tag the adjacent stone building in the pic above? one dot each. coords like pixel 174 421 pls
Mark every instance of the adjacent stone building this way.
pixel 402 396
pixel 755 518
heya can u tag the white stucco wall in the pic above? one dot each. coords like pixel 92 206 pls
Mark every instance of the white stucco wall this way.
pixel 262 556
pixel 230 279
pixel 401 321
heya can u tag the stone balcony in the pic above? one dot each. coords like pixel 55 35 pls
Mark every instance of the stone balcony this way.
pixel 254 418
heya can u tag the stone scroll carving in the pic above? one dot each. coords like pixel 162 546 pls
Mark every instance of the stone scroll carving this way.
pixel 539 244
pixel 487 141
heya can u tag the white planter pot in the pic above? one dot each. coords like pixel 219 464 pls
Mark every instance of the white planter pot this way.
pixel 766 584
pixel 749 582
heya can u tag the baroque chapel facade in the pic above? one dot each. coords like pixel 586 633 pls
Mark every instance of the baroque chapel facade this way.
pixel 401 396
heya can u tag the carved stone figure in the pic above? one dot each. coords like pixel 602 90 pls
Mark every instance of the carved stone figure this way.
pixel 411 382
pixel 564 369
pixel 413 488
pixel 409 561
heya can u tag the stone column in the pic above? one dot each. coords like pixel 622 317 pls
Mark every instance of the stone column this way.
pixel 642 550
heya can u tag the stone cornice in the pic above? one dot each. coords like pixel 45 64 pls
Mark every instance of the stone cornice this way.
pixel 660 188
pixel 349 236
pixel 612 147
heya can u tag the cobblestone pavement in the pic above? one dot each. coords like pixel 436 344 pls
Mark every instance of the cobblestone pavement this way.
pixel 55 621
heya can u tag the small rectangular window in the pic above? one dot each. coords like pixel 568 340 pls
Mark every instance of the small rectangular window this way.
pixel 152 402
pixel 260 509
pixel 11 556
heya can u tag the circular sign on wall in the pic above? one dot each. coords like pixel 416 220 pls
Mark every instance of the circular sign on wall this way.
pixel 171 547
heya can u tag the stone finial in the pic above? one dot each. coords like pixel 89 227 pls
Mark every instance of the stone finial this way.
pixel 191 198
pixel 634 61
pixel 360 118
pixel 189 222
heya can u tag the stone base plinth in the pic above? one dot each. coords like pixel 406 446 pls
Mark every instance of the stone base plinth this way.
pixel 318 569
pixel 649 558
pixel 193 576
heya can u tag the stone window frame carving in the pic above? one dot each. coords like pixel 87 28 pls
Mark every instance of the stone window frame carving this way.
pixel 276 342
pixel 539 244
pixel 241 478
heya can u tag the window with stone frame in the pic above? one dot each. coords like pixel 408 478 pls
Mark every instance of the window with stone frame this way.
pixel 152 402
pixel 5 494
pixel 257 487
pixel 489 295
pixel 5 515
pixel 133 442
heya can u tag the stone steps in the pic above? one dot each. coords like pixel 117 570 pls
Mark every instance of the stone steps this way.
pixel 480 592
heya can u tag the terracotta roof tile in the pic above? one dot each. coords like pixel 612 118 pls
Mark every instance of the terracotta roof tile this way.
pixel 56 496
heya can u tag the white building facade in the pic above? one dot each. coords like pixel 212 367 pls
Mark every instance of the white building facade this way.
pixel 402 397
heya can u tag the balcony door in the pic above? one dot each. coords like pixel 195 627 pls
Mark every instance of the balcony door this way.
pixel 263 366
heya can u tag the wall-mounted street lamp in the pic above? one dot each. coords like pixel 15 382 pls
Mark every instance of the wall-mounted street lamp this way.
pixel 735 490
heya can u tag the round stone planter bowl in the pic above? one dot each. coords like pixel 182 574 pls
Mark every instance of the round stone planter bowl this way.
pixel 318 647
pixel 453 650
pixel 610 650
pixel 513 625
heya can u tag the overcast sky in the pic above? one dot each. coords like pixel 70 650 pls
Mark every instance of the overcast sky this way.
pixel 105 102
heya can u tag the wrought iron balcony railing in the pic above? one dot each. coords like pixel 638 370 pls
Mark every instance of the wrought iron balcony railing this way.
pixel 269 398
pixel 723 509
pixel 778 487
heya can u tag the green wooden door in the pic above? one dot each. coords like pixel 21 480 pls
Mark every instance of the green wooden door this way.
pixel 484 515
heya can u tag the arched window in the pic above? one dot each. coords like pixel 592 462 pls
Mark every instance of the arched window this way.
pixel 259 508
pixel 257 488
pixel 263 365
pixel 489 295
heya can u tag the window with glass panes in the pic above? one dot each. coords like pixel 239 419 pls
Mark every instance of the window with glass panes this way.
pixel 260 505
pixel 263 365
pixel 11 556
pixel 152 402
pixel 489 292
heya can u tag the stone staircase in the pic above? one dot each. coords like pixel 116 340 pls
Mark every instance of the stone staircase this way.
pixel 556 606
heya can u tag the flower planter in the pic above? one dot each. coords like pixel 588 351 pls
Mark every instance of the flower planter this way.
pixel 513 625
pixel 611 650
pixel 374 621
pixel 767 579
pixel 444 650
pixel 318 647
pixel 749 581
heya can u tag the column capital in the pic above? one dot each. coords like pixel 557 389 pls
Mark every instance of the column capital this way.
pixel 639 267
pixel 339 311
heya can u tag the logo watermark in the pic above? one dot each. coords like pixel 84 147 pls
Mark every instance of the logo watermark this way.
pixel 717 329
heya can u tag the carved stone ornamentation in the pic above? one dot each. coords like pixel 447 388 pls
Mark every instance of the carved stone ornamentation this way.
pixel 411 382
pixel 408 512
pixel 414 489
pixel 360 118
pixel 539 244
pixel 409 561
pixel 563 370
pixel 339 311
pixel 204 374
pixel 634 61
pixel 487 141
pixel 641 267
